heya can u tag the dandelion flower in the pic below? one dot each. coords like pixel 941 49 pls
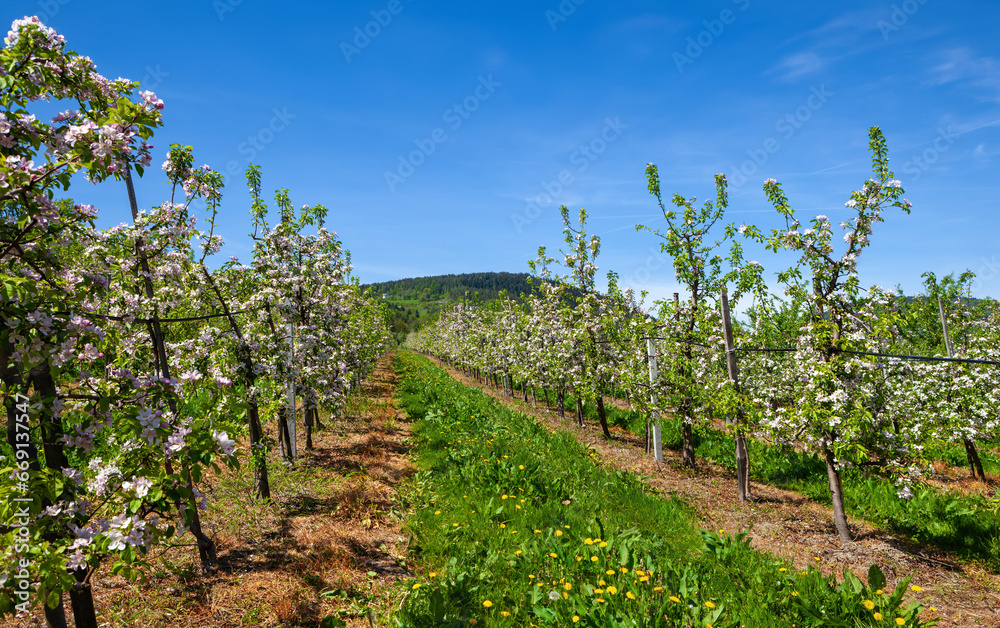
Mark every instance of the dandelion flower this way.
pixel 576 618
pixel 877 616
pixel 487 603
pixel 916 588
pixel 630 595
pixel 553 555
pixel 710 604
pixel 869 604
pixel 416 586
pixel 593 559
pixel 674 598
pixel 558 532
pixel 612 590
pixel 900 621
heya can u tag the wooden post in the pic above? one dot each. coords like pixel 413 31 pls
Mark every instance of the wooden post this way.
pixel 290 412
pixel 654 375
pixel 742 462
pixel 971 453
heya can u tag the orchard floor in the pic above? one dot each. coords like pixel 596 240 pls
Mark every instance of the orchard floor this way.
pixel 333 526
pixel 787 524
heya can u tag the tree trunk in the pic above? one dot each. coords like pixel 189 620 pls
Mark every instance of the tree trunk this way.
pixel 579 411
pixel 688 433
pixel 837 497
pixel 309 427
pixel 602 416
pixel 55 617
pixel 742 467
pixel 81 598
pixel 647 435
pixel 524 390
pixel 561 404
pixel 975 464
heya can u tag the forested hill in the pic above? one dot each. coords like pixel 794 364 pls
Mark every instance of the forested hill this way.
pixel 445 287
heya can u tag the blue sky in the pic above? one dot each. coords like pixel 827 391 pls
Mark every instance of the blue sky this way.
pixel 443 136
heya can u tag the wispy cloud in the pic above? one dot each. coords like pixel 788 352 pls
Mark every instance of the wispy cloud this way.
pixel 962 66
pixel 796 65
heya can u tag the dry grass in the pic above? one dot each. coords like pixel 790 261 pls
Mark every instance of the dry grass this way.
pixel 332 527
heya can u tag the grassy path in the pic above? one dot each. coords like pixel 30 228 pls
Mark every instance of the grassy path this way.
pixel 787 524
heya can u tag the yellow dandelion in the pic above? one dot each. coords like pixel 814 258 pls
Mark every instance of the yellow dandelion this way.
pixel 610 572
pixel 553 555
pixel 795 594
pixel 598 591
pixel 782 569
pixel 416 586
pixel 900 621
pixel 916 588
pixel 576 618
pixel 579 558
pixel 437 512
pixel 630 595
pixel 505 613
pixel 603 544
pixel 558 532
pixel 624 570
pixel 674 598
pixel 877 616
pixel 658 589
pixel 517 553
pixel 432 574
pixel 710 604
pixel 588 541
pixel 567 586
pixel 600 600
pixel 521 467
pixel 600 582
pixel 593 559
pixel 503 525
pixel 869 604
pixel 487 603
pixel 612 590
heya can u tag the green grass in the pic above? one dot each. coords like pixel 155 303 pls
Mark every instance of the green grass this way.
pixel 964 525
pixel 516 525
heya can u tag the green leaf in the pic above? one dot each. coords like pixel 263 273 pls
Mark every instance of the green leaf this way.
pixel 876 579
